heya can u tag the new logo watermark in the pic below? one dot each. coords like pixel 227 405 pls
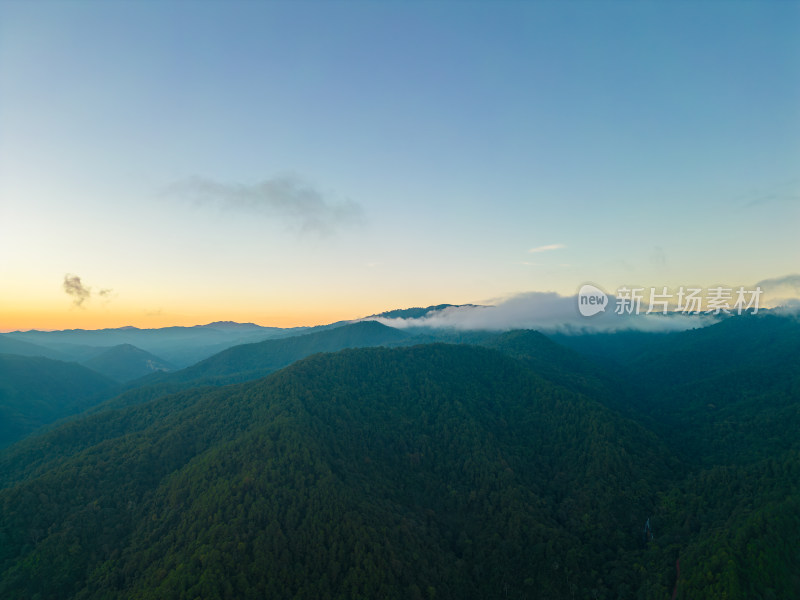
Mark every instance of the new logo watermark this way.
pixel 591 300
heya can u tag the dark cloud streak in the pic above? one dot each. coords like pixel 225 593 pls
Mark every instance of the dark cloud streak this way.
pixel 80 293
pixel 289 198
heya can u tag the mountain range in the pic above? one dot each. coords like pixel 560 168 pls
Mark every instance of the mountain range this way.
pixel 181 346
pixel 366 461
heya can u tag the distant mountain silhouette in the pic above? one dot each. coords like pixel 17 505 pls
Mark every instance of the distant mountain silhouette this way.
pixel 125 363
pixel 181 346
pixel 10 345
pixel 251 361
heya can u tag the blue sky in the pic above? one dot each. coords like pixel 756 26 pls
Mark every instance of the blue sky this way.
pixel 298 163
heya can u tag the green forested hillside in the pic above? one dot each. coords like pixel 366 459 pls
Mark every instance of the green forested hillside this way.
pixel 435 471
pixel 724 394
pixel 35 391
pixel 726 400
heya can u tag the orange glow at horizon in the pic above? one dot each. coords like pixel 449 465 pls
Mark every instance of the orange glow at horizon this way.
pixel 48 309
pixel 25 319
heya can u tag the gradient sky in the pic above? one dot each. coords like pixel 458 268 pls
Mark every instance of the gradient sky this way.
pixel 300 163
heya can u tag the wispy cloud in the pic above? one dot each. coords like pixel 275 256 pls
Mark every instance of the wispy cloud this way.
pixel 80 293
pixel 107 295
pixel 783 192
pixel 780 291
pixel 74 287
pixel 287 198
pixel 546 248
pixel 546 311
pixel 787 281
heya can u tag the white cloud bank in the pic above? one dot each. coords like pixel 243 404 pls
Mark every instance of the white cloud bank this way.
pixel 782 293
pixel 547 311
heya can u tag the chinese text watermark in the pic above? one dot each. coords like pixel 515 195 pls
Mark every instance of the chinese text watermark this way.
pixel 684 300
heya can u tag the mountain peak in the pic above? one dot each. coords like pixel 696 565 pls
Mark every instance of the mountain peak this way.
pixel 416 312
pixel 230 325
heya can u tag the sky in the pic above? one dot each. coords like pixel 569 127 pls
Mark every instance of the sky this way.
pixel 178 163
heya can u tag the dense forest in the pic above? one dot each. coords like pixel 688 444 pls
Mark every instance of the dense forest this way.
pixel 35 391
pixel 512 466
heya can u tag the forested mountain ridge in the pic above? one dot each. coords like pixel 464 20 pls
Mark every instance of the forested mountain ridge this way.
pixel 460 452
pixel 519 470
pixel 551 361
pixel 241 363
pixel 724 393
pixel 416 312
pixel 251 361
pixel 35 391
